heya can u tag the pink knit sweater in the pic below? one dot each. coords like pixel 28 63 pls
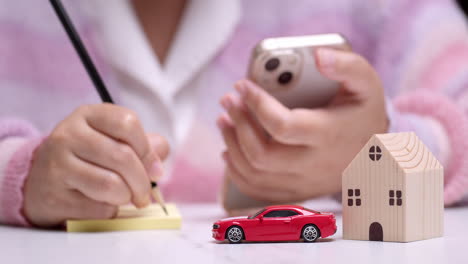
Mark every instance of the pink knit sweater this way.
pixel 419 48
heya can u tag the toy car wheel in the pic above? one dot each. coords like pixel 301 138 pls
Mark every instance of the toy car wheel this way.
pixel 310 233
pixel 234 234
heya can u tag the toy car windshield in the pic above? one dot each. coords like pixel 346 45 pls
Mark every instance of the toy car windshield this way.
pixel 255 215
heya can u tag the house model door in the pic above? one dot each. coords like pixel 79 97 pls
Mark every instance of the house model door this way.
pixel 376 232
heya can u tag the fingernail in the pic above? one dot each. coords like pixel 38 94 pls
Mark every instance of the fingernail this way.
pixel 241 88
pixel 156 171
pixel 226 102
pixel 144 203
pixel 225 156
pixel 249 84
pixel 327 58
pixel 252 88
pixel 221 123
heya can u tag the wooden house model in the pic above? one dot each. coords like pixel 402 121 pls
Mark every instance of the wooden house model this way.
pixel 393 191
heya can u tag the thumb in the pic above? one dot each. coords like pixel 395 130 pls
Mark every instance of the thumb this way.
pixel 352 70
pixel 159 145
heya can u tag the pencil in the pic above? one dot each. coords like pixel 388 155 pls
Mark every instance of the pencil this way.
pixel 93 73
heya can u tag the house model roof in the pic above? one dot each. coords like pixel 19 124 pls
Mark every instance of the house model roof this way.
pixel 408 151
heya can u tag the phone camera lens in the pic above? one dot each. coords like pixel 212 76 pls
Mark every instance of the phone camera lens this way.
pixel 272 64
pixel 285 78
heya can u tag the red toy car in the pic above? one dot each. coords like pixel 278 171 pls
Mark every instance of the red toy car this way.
pixel 276 223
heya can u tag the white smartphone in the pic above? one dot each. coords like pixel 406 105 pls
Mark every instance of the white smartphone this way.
pixel 285 67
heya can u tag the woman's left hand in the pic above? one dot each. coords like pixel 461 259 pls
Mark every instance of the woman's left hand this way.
pixel 283 155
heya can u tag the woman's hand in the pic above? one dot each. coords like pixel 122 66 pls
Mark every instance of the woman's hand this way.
pixel 304 151
pixel 99 157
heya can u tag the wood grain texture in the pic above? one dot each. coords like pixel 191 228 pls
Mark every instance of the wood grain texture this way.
pixel 131 218
pixel 407 168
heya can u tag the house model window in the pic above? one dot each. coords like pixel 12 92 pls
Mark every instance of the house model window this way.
pixel 399 200
pixel 375 153
pixel 354 195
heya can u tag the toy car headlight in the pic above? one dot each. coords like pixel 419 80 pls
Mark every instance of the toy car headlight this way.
pixel 215 226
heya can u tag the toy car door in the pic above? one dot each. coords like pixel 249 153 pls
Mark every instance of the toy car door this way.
pixel 276 225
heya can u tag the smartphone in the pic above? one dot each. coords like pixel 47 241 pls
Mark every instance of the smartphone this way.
pixel 285 67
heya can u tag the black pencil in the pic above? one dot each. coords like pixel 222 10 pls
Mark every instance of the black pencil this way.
pixel 93 72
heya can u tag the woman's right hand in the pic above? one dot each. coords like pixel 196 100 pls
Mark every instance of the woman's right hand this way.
pixel 99 157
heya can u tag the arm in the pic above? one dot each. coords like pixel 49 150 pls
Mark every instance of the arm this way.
pixel 422 58
pixel 18 140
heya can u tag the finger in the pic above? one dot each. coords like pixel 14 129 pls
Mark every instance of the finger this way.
pixel 348 68
pixel 159 144
pixel 116 156
pixel 122 125
pixel 251 139
pixel 248 143
pixel 97 183
pixel 274 157
pixel 292 127
pixel 263 194
pixel 81 207
pixel 256 177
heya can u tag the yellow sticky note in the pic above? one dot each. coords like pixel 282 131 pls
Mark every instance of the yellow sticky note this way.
pixel 131 218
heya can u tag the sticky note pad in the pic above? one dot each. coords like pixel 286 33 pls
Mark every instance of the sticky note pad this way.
pixel 131 218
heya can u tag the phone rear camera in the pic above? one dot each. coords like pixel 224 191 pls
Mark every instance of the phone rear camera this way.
pixel 272 64
pixel 285 78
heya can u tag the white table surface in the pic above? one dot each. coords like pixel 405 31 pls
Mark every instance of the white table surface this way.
pixel 193 244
